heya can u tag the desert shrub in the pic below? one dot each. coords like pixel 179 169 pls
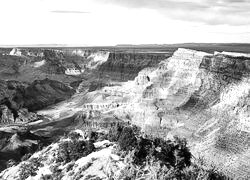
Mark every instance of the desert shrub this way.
pixel 74 136
pixel 70 166
pixel 200 170
pixel 90 147
pixel 136 130
pixel 127 140
pixel 26 156
pixel 11 163
pixel 175 154
pixel 73 150
pixel 156 158
pixel 102 136
pixel 56 172
pixel 30 168
pixel 155 169
pixel 47 177
pixel 195 172
pixel 170 153
pixel 93 135
pixel 152 169
pixel 182 153
pixel 164 151
pixel 115 132
pixel 144 149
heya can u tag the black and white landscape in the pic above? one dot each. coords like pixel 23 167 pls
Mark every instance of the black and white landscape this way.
pixel 142 109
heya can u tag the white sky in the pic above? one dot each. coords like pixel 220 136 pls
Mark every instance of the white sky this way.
pixel 95 22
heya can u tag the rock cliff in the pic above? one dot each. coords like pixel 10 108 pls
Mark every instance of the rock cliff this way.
pixel 18 98
pixel 15 145
pixel 124 66
pixel 202 97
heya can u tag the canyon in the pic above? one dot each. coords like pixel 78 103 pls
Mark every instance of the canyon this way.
pixel 202 96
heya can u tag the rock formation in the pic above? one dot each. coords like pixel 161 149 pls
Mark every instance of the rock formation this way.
pixel 16 96
pixel 6 115
pixel 124 66
pixel 15 52
pixel 202 97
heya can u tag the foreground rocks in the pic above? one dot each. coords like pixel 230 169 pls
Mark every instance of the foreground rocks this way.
pixel 128 156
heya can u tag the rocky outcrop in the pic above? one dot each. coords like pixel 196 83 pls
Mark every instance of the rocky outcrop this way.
pixel 97 58
pixel 16 96
pixel 42 93
pixel 122 66
pixel 6 116
pixel 15 52
pixel 13 146
pixel 202 97
pixel 54 59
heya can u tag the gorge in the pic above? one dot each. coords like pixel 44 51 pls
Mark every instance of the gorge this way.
pixel 202 96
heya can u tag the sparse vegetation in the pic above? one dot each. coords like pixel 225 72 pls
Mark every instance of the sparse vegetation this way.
pixel 73 150
pixel 156 158
pixel 127 140
pixel 144 157
pixel 29 168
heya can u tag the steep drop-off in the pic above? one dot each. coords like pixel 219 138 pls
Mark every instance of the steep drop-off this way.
pixel 202 97
pixel 124 66
pixel 15 96
pixel 13 146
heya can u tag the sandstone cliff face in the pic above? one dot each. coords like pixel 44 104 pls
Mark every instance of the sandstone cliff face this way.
pixel 202 97
pixel 125 66
pixel 210 92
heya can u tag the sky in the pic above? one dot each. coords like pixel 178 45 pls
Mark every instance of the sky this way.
pixel 111 22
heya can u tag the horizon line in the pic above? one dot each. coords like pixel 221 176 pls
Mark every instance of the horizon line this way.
pixel 117 45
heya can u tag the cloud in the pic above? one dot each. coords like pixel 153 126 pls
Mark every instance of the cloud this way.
pixel 69 12
pixel 212 12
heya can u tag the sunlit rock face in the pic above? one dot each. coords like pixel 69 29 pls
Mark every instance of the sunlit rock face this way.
pixel 92 59
pixel 6 115
pixel 102 163
pixel 10 116
pixel 73 71
pixel 15 52
pixel 202 97
pixel 97 58
pixel 194 90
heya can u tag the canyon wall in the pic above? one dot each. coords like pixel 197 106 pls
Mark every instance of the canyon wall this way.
pixel 123 66
pixel 17 99
pixel 199 96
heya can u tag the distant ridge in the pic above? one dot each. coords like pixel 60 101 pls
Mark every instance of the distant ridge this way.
pixel 206 47
pixel 44 45
pixel 128 45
